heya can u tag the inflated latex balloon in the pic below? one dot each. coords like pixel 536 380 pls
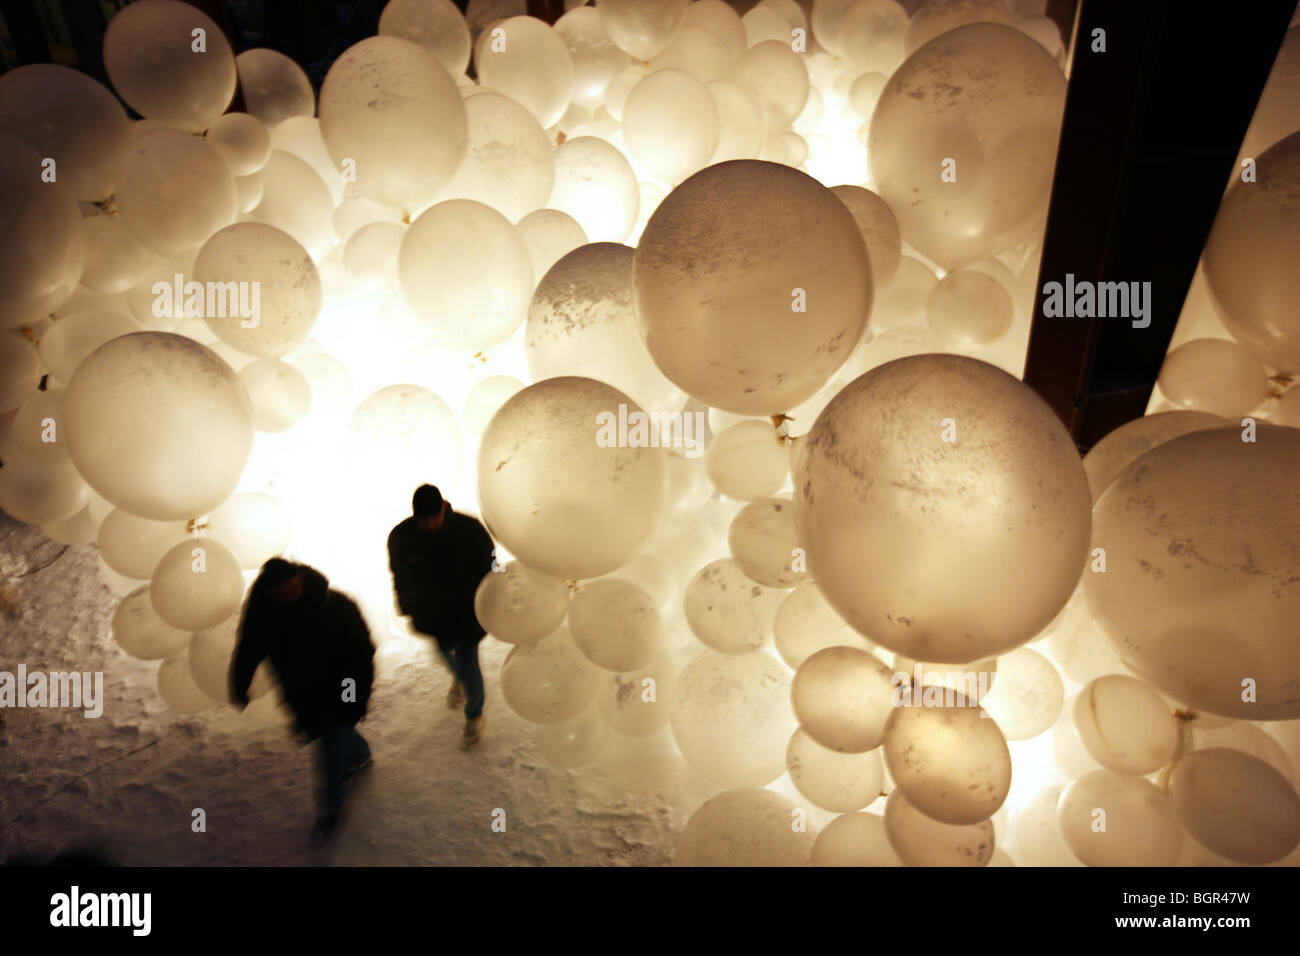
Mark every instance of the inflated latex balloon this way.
pixel 973 506
pixel 1215 376
pixel 133 546
pixel 357 211
pixel 140 632
pixel 37 428
pixel 596 58
pixel 255 527
pixel 1236 804
pixel 574 743
pixel 805 624
pixel 41 257
pixel 436 25
pixel 641 28
pixel 1141 825
pixel 968 308
pixel 1245 737
pixel 1249 254
pixel 871 35
pixel 670 124
pixel 1036 832
pixel 508 164
pixel 921 840
pixel 38 492
pixel 936 17
pixel 278 393
pixel 550 235
pixel 274 87
pixel 727 611
pixel 581 322
pixel 196 585
pixel 843 697
pixel 66 116
pixel 1027 696
pixel 242 140
pixel 392 109
pixel 277 295
pixel 879 231
pixel 1125 725
pixel 330 383
pixel 466 272
pixel 649 764
pixel 989 99
pixel 159 425
pixel 1185 603
pixel 637 703
pixel 744 827
pixel 114 260
pixel 211 651
pixel 399 438
pixel 762 23
pixel 175 192
pixel 776 77
pixel 747 461
pixel 752 286
pixel 1121 447
pixel 833 781
pixel 549 682
pixel 79 529
pixel 296 200
pixel 155 63
pixel 854 839
pixel 952 762
pixel 301 136
pixel 903 303
pixel 370 254
pixel 740 121
pixel 762 541
pixel 615 624
pixel 699 52
pixel 177 688
pixel 560 488
pixel 525 59
pixel 731 717
pixel 520 606
pixel 595 184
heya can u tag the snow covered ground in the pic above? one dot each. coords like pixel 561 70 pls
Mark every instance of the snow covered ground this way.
pixel 128 782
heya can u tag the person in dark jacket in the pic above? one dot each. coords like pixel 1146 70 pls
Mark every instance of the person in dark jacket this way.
pixel 438 557
pixel 320 648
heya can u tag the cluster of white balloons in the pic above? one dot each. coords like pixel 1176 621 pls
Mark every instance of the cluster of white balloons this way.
pixel 718 320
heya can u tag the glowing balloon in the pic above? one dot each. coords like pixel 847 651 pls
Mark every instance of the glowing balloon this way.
pixel 1036 832
pixel 731 717
pixel 158 425
pixel 744 827
pixel 1185 604
pixel 549 682
pixel 973 514
pixel 740 122
pixel 140 632
pixel 727 611
pixel 133 546
pixel 391 108
pixel 805 624
pixel 301 137
pixel 520 606
pixel 762 541
pixel 38 492
pixel 595 184
pixel 177 688
pixel 670 124
pixel 921 840
pixel 466 272
pixel 1125 725
pixel 485 398
pixel 747 461
pixel 39 266
pixel 435 25
pixel 155 62
pixel 608 503
pixel 641 28
pixel 871 35
pixel 574 743
pixel 719 19
pixel 278 393
pixel 525 59
pixel 879 231
pixel 647 764
pixel 175 193
pixel 211 651
pixel 1121 447
pixel 903 304
pixel 987 100
pixel 1141 826
pixel 253 525
pixel 696 51
pixel 550 235
pixel 615 624
pixel 274 87
pixel 776 77
pixel 509 164
pixel 1236 804
pixel 196 585
pixel 581 322
pixel 1027 697
pixel 330 383
pixel 66 116
pixel 595 56
pixel 865 92
pixel 637 703
pixel 968 308
pixel 243 142
pixel 370 254
pixel 762 24
pixel 854 839
pixel 724 266
pixel 36 428
pixel 1215 376
pixel 833 781
pixel 114 261
pixel 842 697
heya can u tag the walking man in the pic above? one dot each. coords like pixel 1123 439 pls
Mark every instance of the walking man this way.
pixel 320 648
pixel 438 557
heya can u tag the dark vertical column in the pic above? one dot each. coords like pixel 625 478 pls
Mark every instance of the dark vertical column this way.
pixel 1152 128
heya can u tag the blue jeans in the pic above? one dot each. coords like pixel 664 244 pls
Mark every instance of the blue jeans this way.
pixel 463 661
pixel 338 755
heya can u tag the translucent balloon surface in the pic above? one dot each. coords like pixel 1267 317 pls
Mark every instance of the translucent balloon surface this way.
pixel 727 611
pixel 508 164
pixel 549 682
pixel 1121 447
pixel 744 827
pixel 520 606
pixel 140 632
pixel 525 59
pixel 1236 804
pixel 196 585
pixel 1141 826
pixel 175 193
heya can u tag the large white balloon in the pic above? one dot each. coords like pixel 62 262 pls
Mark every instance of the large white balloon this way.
pixel 524 58
pixel 175 193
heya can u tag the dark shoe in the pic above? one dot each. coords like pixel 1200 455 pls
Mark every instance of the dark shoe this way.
pixel 364 765
pixel 473 731
pixel 455 696
pixel 325 829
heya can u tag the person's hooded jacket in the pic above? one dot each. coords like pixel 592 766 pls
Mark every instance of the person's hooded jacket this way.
pixel 436 574
pixel 314 645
